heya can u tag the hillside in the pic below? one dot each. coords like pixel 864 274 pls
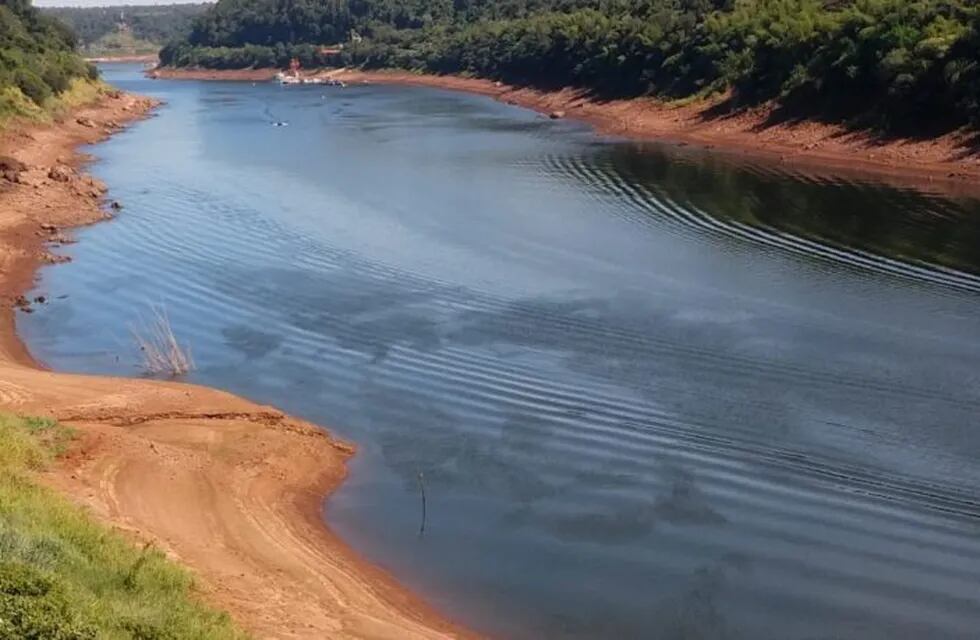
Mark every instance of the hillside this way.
pixel 884 64
pixel 38 64
pixel 126 30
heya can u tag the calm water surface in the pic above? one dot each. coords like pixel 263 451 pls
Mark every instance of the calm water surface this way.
pixel 653 395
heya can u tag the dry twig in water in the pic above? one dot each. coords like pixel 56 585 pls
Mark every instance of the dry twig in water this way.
pixel 161 352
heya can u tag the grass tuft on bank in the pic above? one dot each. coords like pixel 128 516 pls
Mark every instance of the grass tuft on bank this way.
pixel 15 106
pixel 65 577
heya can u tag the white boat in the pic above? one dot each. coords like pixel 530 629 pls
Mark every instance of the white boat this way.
pixel 283 77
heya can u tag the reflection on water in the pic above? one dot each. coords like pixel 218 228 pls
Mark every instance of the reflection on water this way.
pixel 858 218
pixel 652 394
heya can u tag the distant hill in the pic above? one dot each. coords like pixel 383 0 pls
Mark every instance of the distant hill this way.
pixel 38 64
pixel 884 64
pixel 126 30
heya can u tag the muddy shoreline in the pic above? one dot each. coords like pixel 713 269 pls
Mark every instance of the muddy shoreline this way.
pixel 231 489
pixel 950 163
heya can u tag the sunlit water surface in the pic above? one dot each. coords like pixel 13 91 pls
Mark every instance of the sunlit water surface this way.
pixel 651 394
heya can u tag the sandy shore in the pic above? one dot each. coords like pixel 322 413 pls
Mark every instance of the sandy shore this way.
pixel 950 163
pixel 229 488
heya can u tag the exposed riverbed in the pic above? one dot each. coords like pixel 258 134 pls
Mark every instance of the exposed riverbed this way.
pixel 650 393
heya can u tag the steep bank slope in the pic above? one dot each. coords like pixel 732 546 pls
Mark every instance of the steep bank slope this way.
pixel 230 488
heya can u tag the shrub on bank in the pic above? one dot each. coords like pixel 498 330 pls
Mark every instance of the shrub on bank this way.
pixel 31 85
pixel 14 104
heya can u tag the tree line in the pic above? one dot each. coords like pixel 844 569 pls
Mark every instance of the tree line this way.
pixel 37 58
pixel 155 24
pixel 887 63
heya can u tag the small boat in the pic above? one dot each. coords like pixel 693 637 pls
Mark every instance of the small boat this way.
pixel 293 77
pixel 284 78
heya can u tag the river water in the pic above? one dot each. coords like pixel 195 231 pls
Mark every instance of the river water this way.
pixel 651 393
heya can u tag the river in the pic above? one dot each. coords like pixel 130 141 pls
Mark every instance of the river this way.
pixel 649 392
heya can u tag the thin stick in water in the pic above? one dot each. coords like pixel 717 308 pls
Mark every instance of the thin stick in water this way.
pixel 422 490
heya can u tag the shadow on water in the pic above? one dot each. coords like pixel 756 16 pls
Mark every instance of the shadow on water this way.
pixel 906 225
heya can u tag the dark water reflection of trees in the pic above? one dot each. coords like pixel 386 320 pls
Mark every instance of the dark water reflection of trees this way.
pixel 903 224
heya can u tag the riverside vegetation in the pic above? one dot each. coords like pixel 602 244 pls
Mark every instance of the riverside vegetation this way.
pixel 39 69
pixel 64 577
pixel 885 64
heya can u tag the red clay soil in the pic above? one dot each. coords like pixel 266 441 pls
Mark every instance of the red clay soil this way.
pixel 950 163
pixel 231 489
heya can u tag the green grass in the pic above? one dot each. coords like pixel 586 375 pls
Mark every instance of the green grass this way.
pixel 79 92
pixel 65 577
pixel 15 106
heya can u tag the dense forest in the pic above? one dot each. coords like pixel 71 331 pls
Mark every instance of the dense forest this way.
pixel 37 59
pixel 890 62
pixel 128 28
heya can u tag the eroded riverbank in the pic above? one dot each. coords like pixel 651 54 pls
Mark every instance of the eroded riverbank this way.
pixel 230 488
pixel 950 162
